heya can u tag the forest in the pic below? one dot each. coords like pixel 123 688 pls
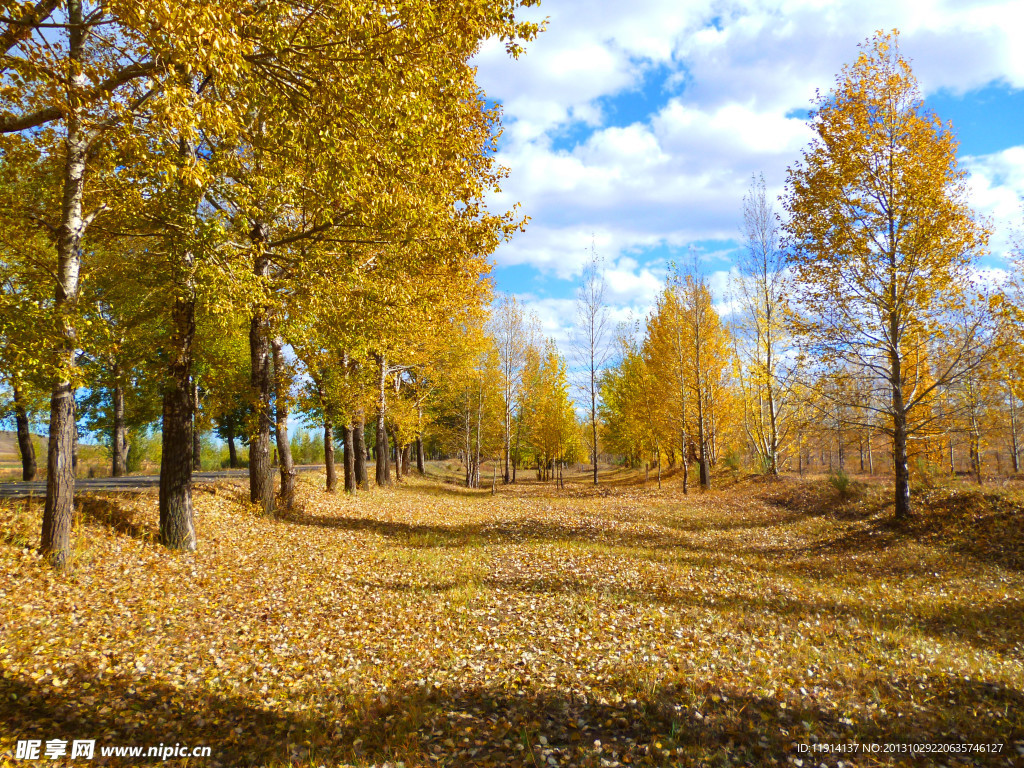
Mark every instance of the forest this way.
pixel 757 520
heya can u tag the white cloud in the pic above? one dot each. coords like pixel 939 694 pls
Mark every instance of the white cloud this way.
pixel 730 73
pixel 996 185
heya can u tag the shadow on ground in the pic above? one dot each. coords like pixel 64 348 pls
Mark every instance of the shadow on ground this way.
pixel 116 515
pixel 667 724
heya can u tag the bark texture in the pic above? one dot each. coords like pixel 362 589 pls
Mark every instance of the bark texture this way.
pixel 55 542
pixel 348 436
pixel 261 471
pixel 359 454
pixel 119 458
pixel 901 473
pixel 383 455
pixel 177 529
pixel 332 474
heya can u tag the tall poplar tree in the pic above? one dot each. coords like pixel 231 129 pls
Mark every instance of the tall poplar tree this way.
pixel 883 242
pixel 590 341
pixel 759 329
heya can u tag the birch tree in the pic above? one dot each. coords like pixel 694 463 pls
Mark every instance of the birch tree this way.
pixel 883 241
pixel 759 328
pixel 510 335
pixel 590 342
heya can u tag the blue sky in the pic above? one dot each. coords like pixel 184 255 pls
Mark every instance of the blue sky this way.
pixel 638 125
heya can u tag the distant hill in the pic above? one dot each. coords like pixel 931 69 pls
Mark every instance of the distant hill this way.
pixel 9 453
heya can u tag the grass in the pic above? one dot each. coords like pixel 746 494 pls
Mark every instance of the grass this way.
pixel 429 625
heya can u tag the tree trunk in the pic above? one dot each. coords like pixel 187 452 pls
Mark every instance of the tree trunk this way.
pixel 705 479
pixel 25 446
pixel 362 480
pixel 261 472
pixel 119 458
pixel 284 447
pixel 197 445
pixel 773 422
pixel 347 437
pixel 74 436
pixel 396 452
pixel 685 461
pixel 406 456
pixel 232 450
pixel 516 455
pixel 899 457
pixel 506 435
pixel 332 475
pixel 1014 441
pixel 479 422
pixel 840 442
pixel 593 409
pixel 976 453
pixel 419 454
pixel 382 454
pixel 177 529
pixel 383 475
pixel 469 443
pixel 55 542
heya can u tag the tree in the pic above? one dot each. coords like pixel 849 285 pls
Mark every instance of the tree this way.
pixel 554 437
pixel 255 132
pixel 759 328
pixel 510 335
pixel 633 408
pixel 25 319
pixel 590 340
pixel 668 351
pixel 72 88
pixel 882 242
pixel 118 354
pixel 708 360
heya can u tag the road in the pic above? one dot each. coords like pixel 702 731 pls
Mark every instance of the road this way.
pixel 131 484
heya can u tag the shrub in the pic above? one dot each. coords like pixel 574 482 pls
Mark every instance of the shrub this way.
pixel 923 474
pixel 144 447
pixel 732 460
pixel 841 482
pixel 307 448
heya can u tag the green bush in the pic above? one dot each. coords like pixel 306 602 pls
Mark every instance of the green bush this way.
pixel 732 460
pixel 923 474
pixel 307 448
pixel 144 447
pixel 243 460
pixel 841 482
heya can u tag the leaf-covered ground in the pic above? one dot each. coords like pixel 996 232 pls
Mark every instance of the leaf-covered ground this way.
pixel 430 625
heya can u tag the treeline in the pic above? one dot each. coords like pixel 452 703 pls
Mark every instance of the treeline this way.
pixel 514 406
pixel 208 206
pixel 857 333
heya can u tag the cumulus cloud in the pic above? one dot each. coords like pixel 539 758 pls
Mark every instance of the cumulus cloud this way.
pixel 997 192
pixel 729 82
